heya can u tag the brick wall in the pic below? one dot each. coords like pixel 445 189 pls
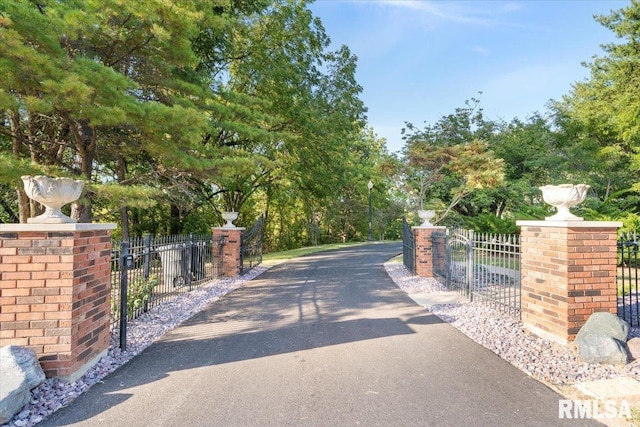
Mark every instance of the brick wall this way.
pixel 423 244
pixel 568 273
pixel 54 293
pixel 231 251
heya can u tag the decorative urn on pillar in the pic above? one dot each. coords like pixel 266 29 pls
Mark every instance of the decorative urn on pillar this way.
pixel 563 197
pixel 53 194
pixel 426 216
pixel 229 217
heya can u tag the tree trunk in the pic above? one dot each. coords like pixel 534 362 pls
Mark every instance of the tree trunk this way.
pixel 18 148
pixel 85 140
pixel 124 214
pixel 175 222
pixel 23 206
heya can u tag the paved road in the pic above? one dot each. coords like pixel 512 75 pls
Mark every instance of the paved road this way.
pixel 323 340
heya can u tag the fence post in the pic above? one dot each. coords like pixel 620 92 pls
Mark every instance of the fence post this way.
pixel 470 264
pixel 568 273
pixel 124 281
pixel 448 258
pixel 147 256
pixel 189 266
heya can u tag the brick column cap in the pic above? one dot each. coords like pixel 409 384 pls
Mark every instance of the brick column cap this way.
pixel 570 224
pixel 427 227
pixel 57 227
pixel 228 228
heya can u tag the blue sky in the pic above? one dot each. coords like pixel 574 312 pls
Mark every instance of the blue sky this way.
pixel 419 60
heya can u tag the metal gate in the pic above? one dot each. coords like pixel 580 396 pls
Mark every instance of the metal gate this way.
pixel 484 267
pixel 459 259
pixel 408 247
pixel 251 249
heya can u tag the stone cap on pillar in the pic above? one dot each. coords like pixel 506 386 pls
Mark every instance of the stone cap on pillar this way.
pixel 429 227
pixel 228 228
pixel 570 224
pixel 57 227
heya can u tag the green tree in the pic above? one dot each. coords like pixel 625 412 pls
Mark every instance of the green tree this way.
pixel 450 160
pixel 77 73
pixel 599 120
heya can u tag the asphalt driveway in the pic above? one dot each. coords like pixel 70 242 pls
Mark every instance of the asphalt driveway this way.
pixel 322 340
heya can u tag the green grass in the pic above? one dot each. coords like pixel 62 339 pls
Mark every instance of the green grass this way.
pixel 278 257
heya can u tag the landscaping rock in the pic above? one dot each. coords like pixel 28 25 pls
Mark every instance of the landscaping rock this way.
pixel 599 348
pixel 602 339
pixel 634 347
pixel 604 323
pixel 14 394
pixel 20 371
pixel 14 358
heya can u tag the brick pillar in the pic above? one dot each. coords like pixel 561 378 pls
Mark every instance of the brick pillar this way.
pixel 423 241
pixel 55 292
pixel 568 272
pixel 231 251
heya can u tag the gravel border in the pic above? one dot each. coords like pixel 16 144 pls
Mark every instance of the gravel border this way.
pixel 506 336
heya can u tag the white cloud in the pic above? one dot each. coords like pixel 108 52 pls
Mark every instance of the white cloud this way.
pixel 482 13
pixel 446 11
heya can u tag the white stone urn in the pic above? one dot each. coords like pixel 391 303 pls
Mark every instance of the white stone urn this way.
pixel 53 194
pixel 426 217
pixel 229 217
pixel 563 197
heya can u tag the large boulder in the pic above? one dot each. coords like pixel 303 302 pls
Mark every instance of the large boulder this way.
pixel 14 394
pixel 14 358
pixel 634 347
pixel 599 348
pixel 602 339
pixel 605 323
pixel 19 373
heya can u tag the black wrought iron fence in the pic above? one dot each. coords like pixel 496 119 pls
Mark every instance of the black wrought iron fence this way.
pixel 627 279
pixel 496 271
pixel 251 251
pixel 408 247
pixel 485 267
pixel 152 270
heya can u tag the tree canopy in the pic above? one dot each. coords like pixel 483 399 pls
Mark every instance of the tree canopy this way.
pixel 172 112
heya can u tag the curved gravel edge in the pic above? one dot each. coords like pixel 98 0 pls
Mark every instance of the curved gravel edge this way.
pixel 54 394
pixel 506 336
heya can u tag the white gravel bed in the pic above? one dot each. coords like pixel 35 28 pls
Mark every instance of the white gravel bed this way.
pixel 54 394
pixel 506 336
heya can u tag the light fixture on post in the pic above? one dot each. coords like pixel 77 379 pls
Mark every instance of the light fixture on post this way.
pixel 370 187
